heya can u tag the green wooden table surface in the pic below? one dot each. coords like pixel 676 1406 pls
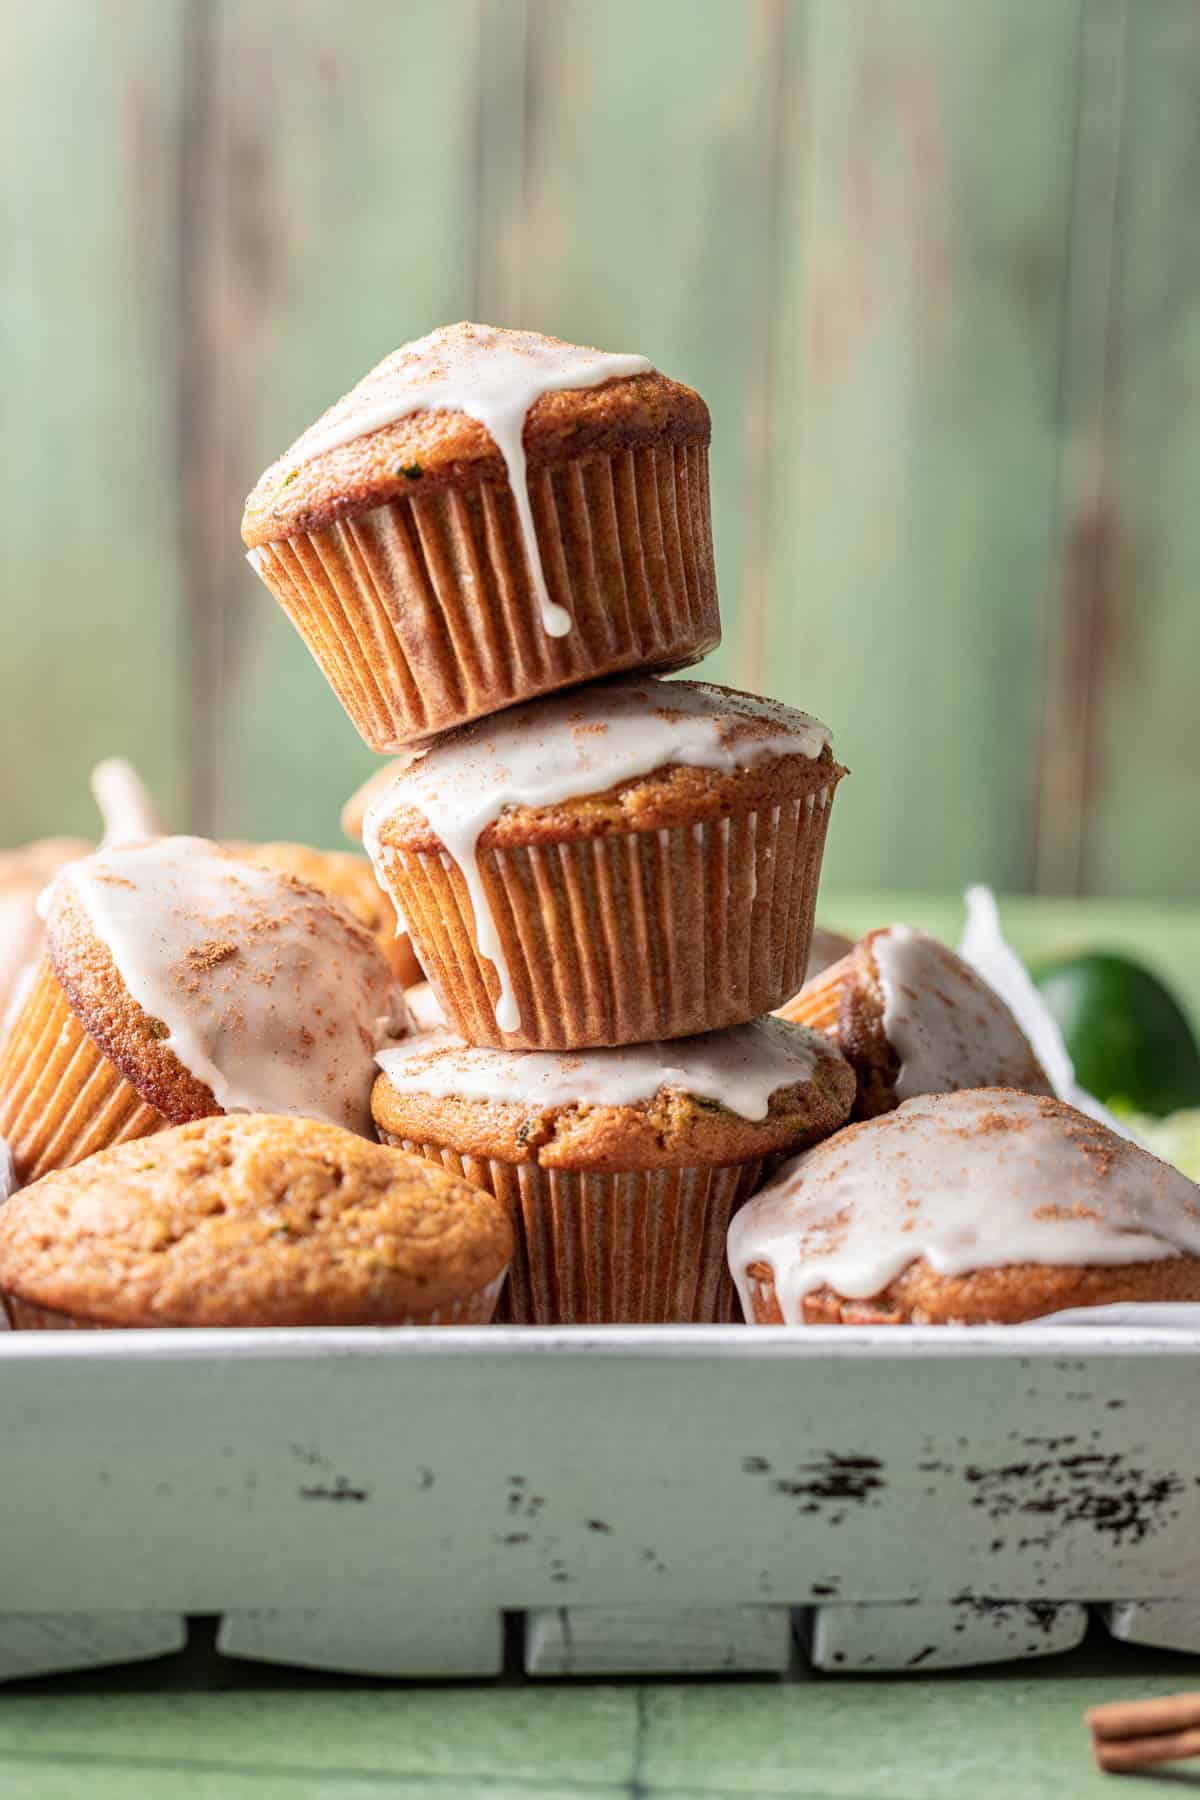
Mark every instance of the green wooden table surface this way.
pixel 200 1727
pixel 197 1727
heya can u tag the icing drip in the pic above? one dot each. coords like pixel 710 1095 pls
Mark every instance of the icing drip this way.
pixel 946 1025
pixel 492 376
pixel 271 994
pixel 127 811
pixel 741 1068
pixel 978 1179
pixel 574 744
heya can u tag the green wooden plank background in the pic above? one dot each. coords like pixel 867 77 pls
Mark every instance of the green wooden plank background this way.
pixel 934 267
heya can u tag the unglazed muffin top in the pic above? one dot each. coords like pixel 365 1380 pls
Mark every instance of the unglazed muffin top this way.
pixel 981 1179
pixel 632 754
pixel 914 1018
pixel 720 1099
pixel 467 403
pixel 214 985
pixel 250 1220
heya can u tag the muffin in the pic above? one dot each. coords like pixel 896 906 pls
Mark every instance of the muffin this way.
pixel 23 875
pixel 181 982
pixel 350 879
pixel 913 1018
pixel 251 1220
pixel 634 860
pixel 984 1206
pixel 487 516
pixel 621 1168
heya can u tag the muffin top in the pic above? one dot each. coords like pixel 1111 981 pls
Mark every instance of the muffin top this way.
pixel 350 879
pixel 250 1220
pixel 975 1180
pixel 630 754
pixel 914 1018
pixel 214 985
pixel 724 1098
pixel 467 403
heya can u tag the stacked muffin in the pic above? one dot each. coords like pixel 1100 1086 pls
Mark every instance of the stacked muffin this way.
pixel 495 546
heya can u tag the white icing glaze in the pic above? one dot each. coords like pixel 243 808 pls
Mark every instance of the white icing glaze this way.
pixel 987 950
pixel 491 375
pixel 272 995
pixel 741 1068
pixel 978 1179
pixel 946 1025
pixel 124 802
pixel 424 1008
pixel 573 744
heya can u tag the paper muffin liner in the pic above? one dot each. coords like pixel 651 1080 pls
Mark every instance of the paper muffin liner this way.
pixel 626 938
pixel 422 615
pixel 61 1099
pixel 644 1248
pixel 819 1002
pixel 475 1309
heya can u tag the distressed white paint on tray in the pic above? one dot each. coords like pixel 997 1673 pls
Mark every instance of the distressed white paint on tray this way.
pixel 517 1468
pixel 658 1640
pixel 439 1640
pixel 1165 1624
pixel 940 1634
pixel 41 1643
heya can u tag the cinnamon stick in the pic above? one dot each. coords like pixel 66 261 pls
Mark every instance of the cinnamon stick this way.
pixel 1145 1718
pixel 1121 1756
pixel 1134 1734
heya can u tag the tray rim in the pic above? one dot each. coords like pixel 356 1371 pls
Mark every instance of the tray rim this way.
pixel 805 1343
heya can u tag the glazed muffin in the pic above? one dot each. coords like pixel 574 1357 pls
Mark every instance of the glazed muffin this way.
pixel 23 875
pixel 913 1018
pixel 637 859
pixel 251 1220
pixel 487 516
pixel 621 1168
pixel 181 982
pixel 350 879
pixel 984 1206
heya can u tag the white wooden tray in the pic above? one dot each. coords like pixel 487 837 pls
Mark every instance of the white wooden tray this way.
pixel 649 1498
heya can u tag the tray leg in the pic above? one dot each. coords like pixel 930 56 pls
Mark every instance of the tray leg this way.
pixel 657 1640
pixel 1164 1624
pixel 951 1634
pixel 52 1643
pixel 403 1642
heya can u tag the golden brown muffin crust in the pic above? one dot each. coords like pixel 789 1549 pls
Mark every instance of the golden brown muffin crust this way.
pixel 672 1130
pixel 251 1220
pixel 1003 1296
pixel 112 1018
pixel 661 800
pixel 426 450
